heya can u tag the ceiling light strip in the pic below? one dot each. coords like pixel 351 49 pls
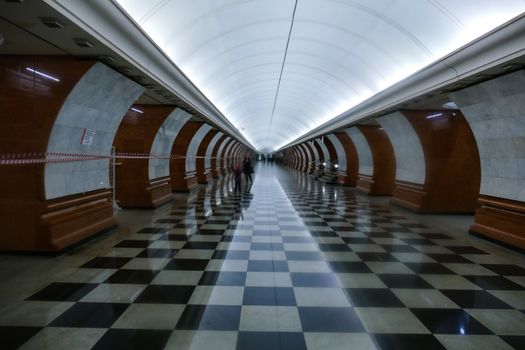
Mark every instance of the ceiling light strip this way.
pixel 282 69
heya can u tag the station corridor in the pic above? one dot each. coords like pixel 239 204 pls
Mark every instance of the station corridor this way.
pixel 293 264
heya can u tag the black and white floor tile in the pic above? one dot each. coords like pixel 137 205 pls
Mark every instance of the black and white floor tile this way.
pixel 294 264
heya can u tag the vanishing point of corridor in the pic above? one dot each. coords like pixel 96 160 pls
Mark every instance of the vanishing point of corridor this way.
pixel 293 264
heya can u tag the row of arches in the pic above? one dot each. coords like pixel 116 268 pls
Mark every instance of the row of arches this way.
pixel 79 140
pixel 199 153
pixel 464 160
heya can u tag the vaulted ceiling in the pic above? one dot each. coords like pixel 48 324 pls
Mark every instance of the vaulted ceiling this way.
pixel 279 68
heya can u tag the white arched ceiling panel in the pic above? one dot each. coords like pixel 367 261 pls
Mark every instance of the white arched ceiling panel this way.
pixel 292 65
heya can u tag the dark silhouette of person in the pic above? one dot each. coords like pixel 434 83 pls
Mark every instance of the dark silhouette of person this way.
pixel 247 169
pixel 237 176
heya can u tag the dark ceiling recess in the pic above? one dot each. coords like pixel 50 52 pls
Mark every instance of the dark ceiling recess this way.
pixel 16 1
pixel 124 70
pixel 83 43
pixel 52 22
pixel 107 58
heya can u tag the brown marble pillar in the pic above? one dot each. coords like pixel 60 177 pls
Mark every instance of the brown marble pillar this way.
pixel 180 180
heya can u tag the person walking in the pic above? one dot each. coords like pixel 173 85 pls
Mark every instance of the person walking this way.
pixel 247 170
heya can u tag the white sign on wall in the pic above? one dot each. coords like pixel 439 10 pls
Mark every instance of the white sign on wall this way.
pixel 87 137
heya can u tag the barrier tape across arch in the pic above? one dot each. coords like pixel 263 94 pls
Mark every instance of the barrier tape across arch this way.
pixel 54 157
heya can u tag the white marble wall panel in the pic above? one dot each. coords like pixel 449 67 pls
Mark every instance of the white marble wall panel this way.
pixel 324 149
pixel 364 153
pixel 209 150
pixel 191 161
pixel 495 111
pixel 410 159
pixel 220 152
pixel 339 149
pixel 98 102
pixel 163 143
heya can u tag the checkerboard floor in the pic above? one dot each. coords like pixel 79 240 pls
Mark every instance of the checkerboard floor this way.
pixel 295 264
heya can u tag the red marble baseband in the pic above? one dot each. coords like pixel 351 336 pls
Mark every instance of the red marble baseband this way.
pixel 159 192
pixel 191 180
pixel 501 219
pixel 205 177
pixel 187 183
pixel 424 199
pixel 345 180
pixel 216 173
pixel 140 194
pixel 367 184
pixel 68 220
pixel 409 195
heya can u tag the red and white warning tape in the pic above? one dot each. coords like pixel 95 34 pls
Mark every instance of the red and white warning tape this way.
pixel 54 157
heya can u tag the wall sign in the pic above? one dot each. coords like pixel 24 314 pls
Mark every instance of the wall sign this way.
pixel 87 137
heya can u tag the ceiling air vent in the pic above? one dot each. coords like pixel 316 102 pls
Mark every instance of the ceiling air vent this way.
pixel 511 66
pixel 106 58
pixel 51 22
pixel 482 76
pixel 124 70
pixel 83 43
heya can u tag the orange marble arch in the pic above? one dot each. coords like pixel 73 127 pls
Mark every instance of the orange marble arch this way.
pixel 227 158
pixel 298 160
pixel 215 162
pixel 204 175
pixel 381 183
pixel 349 178
pixel 452 165
pixel 311 166
pixel 321 159
pixel 30 106
pixel 136 134
pixel 181 181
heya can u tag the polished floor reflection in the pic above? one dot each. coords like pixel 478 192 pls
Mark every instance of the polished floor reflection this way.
pixel 294 264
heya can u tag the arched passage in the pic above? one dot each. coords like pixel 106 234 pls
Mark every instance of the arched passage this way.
pixel 181 181
pixel 50 206
pixel 203 163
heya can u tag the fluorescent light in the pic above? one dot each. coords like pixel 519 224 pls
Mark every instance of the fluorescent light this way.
pixel 434 115
pixel 136 110
pixel 42 74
